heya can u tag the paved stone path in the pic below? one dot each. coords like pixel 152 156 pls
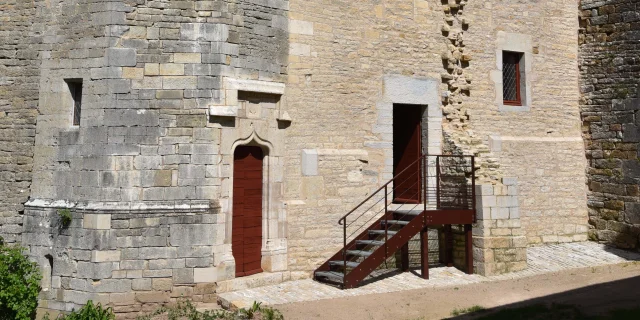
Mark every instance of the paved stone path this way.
pixel 542 259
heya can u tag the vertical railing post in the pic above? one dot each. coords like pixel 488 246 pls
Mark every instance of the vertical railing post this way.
pixel 468 237
pixel 473 188
pixel 386 224
pixel 344 251
pixel 437 182
pixel 425 181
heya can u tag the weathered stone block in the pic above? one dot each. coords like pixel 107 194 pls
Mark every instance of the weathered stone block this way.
pixel 183 276
pixel 121 57
pixel 166 273
pixel 152 297
pixel 143 284
pixel 120 299
pixel 106 256
pixel 158 253
pixel 309 162
pixel 147 162
pixel 204 31
pixel 96 221
pixel 151 69
pixel 187 58
pixel 191 121
pixel 171 69
pixel 500 213
pixel 166 264
pixel 204 275
pixel 185 235
pixel 133 73
pixel 162 284
pixel 179 82
pixel 112 285
pixel 169 94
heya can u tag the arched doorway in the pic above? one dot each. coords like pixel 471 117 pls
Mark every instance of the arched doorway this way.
pixel 246 232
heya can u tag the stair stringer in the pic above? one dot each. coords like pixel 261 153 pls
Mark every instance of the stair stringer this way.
pixel 364 235
pixel 379 255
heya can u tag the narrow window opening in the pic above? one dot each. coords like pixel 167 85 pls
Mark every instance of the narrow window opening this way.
pixel 511 78
pixel 75 88
pixel 48 273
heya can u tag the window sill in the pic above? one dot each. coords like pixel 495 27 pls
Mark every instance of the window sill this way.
pixel 512 108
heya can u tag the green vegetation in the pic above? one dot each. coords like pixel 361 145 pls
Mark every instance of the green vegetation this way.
pixel 65 217
pixel 20 283
pixel 88 312
pixel 457 312
pixel 184 309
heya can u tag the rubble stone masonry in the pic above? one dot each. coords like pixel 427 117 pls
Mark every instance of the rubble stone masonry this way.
pixel 610 106
pixel 19 80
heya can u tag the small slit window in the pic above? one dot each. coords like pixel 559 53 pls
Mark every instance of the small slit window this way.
pixel 511 78
pixel 75 88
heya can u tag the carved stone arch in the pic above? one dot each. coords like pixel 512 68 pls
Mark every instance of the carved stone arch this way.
pixel 253 140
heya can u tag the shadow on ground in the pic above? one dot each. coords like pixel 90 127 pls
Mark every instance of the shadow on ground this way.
pixel 629 254
pixel 612 300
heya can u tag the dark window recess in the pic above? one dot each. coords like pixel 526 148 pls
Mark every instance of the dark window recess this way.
pixel 511 78
pixel 75 87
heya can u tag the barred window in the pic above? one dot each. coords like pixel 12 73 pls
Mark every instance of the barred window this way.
pixel 511 78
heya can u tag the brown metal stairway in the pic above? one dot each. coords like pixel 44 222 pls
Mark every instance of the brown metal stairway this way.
pixel 447 184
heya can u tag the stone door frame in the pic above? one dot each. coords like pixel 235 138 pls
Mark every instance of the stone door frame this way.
pixel 262 132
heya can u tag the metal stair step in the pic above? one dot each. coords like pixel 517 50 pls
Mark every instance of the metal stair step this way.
pixel 390 233
pixel 359 253
pixel 333 275
pixel 370 242
pixel 410 212
pixel 398 222
pixel 350 264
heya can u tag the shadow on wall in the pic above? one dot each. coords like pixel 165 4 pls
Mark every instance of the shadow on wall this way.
pixel 592 302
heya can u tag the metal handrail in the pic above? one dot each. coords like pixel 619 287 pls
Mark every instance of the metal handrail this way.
pixel 422 161
pixel 375 192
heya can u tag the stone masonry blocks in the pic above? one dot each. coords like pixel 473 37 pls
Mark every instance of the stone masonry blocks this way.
pixel 121 57
pixel 610 120
pixel 499 246
pixel 97 221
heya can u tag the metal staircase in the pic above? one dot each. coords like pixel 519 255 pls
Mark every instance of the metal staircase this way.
pixel 447 184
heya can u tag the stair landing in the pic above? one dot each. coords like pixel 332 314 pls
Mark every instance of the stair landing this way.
pixel 541 260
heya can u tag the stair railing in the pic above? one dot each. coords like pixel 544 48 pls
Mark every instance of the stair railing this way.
pixel 443 193
pixel 343 220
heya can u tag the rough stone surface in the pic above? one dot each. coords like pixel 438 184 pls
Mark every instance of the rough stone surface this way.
pixel 19 83
pixel 610 110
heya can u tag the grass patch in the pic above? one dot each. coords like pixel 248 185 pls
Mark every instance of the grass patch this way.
pixel 184 309
pixel 457 312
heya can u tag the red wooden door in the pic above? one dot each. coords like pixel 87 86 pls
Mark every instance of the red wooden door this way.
pixel 246 236
pixel 406 153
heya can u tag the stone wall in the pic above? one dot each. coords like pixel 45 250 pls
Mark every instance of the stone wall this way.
pixel 610 107
pixel 346 61
pixel 541 138
pixel 170 89
pixel 499 244
pixel 19 71
pixel 129 260
pixel 344 53
pixel 551 199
